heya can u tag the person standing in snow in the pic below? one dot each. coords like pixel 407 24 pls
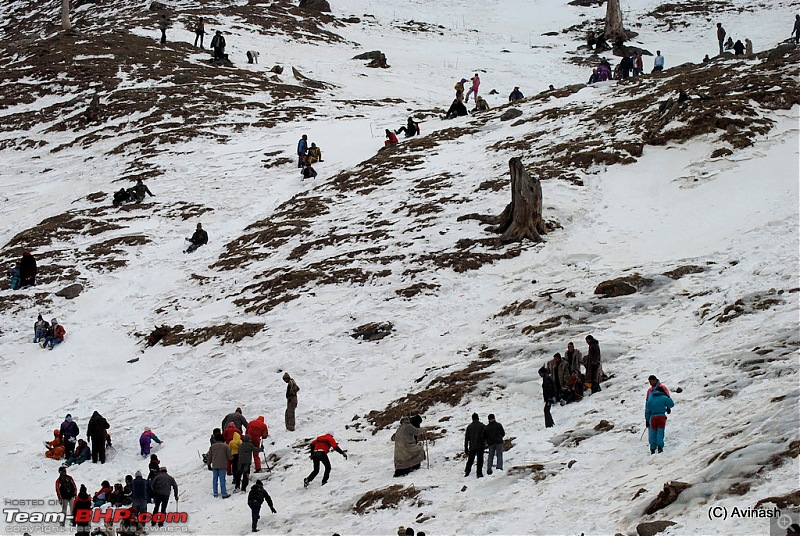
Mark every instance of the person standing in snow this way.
pixel 593 360
pixel 494 438
pixel 574 358
pixel 66 490
pixel 83 501
pixel 796 30
pixel 69 432
pixel 319 454
pixel 139 493
pixel 409 452
pixel 144 441
pixel 219 455
pixel 218 44
pixel 96 431
pixel 549 395
pixel 199 32
pixel 720 36
pixel 655 384
pixel 199 238
pixel 257 430
pixel 161 485
pixel 559 372
pixel 476 83
pixel 658 62
pixel 474 445
pixel 254 500
pixel 233 464
pixel 655 417
pixel 459 87
pixel 163 24
pixel 638 65
pixel 291 401
pixel 748 47
pixel 237 419
pixel 302 150
pixel 154 467
pixel 27 270
pixel 247 452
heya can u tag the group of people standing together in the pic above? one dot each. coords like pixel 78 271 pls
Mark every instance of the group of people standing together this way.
pixel 307 155
pixel 739 48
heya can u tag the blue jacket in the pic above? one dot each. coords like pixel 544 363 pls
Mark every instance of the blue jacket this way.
pixel 657 404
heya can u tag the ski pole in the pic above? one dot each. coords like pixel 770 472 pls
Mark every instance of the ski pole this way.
pixel 641 436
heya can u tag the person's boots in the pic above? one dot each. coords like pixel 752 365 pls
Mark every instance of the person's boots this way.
pixel 255 527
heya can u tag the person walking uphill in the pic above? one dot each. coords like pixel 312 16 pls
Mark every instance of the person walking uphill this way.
pixel 237 419
pixel 219 454
pixel 96 431
pixel 255 499
pixel 139 493
pixel 66 491
pixel 145 439
pixel 494 438
pixel 319 453
pixel 27 270
pixel 474 445
pixel 161 485
pixel 257 430
pixel 291 401
pixel 655 417
pixel 247 451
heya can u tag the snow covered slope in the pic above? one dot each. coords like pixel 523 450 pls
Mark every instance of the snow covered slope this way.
pixel 686 182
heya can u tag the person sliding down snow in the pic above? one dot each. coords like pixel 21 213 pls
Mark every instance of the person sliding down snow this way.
pixel 411 128
pixel 138 192
pixel 199 238
pixel 40 328
pixel 457 109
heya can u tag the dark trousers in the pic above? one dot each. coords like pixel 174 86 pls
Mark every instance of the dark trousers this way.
pixel 98 449
pixel 245 474
pixel 160 501
pixel 198 35
pixel 473 456
pixel 548 419
pixel 318 456
pixel 219 53
pixel 69 447
pixel 255 510
pixel 406 131
pixel 721 42
pixel 163 36
pixel 237 474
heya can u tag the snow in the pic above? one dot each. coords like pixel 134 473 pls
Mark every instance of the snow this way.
pixel 737 216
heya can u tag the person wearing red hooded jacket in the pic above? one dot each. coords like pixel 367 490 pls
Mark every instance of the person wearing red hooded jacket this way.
pixel 230 431
pixel 257 430
pixel 319 453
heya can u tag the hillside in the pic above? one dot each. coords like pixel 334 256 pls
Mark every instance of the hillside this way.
pixel 684 184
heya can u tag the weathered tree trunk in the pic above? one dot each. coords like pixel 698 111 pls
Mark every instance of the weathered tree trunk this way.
pixel 614 29
pixel 65 15
pixel 522 218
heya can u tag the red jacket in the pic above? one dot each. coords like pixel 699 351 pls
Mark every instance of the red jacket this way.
pixel 59 332
pixel 257 429
pixel 58 489
pixel 229 431
pixel 324 443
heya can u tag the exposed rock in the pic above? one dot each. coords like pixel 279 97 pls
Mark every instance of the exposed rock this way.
pixel 277 69
pixel 667 496
pixel 782 501
pixel 652 527
pixel 636 495
pixel 374 331
pixel 70 291
pixel 511 113
pixel 157 6
pixel 681 271
pixel 315 5
pixel 622 286
pixel 378 59
pixel 587 3
pixel 780 51
pixel 351 20
pixel 722 151
pixel 603 426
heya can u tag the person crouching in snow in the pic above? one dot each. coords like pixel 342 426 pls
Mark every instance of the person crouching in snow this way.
pixel 254 500
pixel 391 138
pixel 145 439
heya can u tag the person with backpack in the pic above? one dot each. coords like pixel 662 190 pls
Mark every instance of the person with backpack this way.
pixel 55 335
pixel 139 492
pixel 66 491
pixel 656 407
pixel 247 452
pixel 255 499
pixel 96 431
pixel 319 454
pixel 548 394
pixel 291 401
pixel 219 454
pixel 257 430
pixel 83 501
pixel 145 439
pixel 199 238
pixel 410 129
pixel 474 445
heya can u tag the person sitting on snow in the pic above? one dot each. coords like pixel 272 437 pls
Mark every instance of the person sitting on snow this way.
pixel 481 105
pixel 411 128
pixel 101 496
pixel 314 154
pixel 391 138
pixel 55 448
pixel 81 454
pixel 55 335
pixel 457 109
pixel 199 238
pixel 40 328
pixel 308 172
pixel 138 191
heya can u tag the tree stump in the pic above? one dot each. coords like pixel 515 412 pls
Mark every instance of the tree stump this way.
pixel 522 218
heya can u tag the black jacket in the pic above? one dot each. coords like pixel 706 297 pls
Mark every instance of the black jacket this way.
pixel 200 237
pixel 258 495
pixel 97 427
pixel 494 433
pixel 548 389
pixel 475 437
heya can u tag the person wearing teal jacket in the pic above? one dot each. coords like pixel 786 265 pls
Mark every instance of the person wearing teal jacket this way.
pixel 655 417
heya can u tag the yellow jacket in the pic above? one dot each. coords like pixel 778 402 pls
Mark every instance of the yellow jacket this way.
pixel 234 444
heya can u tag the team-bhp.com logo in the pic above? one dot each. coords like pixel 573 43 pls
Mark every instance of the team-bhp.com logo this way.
pixel 110 515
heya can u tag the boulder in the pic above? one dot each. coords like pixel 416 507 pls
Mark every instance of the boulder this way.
pixel 511 113
pixel 622 286
pixel 155 5
pixel 374 331
pixel 277 69
pixel 315 5
pixel 652 527
pixel 71 291
pixel 666 496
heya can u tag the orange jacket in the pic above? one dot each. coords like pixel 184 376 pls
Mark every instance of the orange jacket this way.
pixel 229 431
pixel 258 428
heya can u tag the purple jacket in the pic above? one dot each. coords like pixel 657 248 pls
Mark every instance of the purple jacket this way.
pixel 144 442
